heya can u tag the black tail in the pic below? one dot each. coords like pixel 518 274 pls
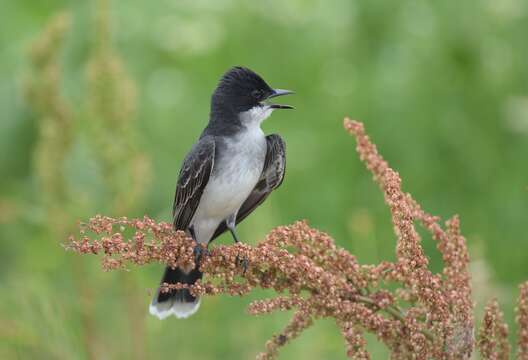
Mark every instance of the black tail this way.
pixel 178 302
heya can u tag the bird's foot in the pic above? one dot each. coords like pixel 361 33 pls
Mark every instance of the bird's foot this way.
pixel 200 251
pixel 243 262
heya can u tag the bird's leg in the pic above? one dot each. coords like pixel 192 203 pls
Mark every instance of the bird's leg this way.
pixel 233 233
pixel 231 224
pixel 199 250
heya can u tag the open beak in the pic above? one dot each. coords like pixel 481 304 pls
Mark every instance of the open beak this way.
pixel 280 92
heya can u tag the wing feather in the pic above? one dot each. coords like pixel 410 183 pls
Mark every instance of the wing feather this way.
pixel 194 175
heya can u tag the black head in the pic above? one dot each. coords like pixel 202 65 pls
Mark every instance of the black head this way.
pixel 240 89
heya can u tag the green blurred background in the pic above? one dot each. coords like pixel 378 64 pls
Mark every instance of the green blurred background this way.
pixel 100 101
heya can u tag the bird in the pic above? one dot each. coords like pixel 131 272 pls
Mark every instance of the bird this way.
pixel 227 174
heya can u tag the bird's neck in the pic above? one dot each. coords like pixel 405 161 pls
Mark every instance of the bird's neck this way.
pixel 223 121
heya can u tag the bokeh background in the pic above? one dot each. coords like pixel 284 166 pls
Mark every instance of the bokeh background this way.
pixel 100 100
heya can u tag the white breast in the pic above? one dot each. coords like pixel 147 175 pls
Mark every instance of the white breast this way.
pixel 236 172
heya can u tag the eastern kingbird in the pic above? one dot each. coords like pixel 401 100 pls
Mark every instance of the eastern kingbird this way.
pixel 227 174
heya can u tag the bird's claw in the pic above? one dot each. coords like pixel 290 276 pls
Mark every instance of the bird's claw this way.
pixel 199 252
pixel 243 262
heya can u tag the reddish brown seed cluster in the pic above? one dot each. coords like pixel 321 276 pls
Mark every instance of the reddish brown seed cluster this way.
pixel 522 322
pixel 424 315
pixel 147 242
pixel 493 334
pixel 444 298
pixel 299 322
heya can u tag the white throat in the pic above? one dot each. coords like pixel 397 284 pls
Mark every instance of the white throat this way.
pixel 256 115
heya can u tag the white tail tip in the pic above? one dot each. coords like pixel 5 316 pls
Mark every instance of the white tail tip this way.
pixel 170 307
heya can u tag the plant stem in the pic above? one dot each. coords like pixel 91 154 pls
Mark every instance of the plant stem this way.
pixel 395 313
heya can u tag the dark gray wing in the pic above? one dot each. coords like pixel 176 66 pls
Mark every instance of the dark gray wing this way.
pixel 270 179
pixel 193 178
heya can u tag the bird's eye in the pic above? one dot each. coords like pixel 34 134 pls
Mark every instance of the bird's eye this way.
pixel 257 94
